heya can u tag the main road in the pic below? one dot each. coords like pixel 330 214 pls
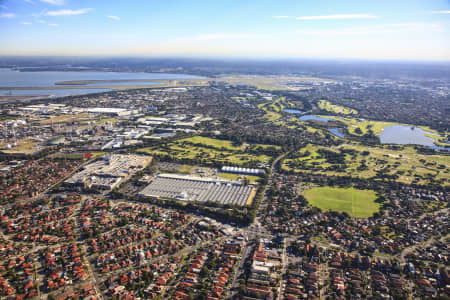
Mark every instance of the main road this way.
pixel 254 231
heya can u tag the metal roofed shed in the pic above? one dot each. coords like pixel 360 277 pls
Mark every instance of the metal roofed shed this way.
pixel 110 111
pixel 199 189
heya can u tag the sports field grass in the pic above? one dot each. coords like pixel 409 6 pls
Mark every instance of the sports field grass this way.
pixel 357 203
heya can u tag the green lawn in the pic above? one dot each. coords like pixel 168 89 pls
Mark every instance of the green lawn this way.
pixel 357 203
pixel 268 82
pixel 65 119
pixel 232 176
pixel 215 143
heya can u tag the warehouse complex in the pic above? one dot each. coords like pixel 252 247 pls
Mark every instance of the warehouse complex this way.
pixel 199 189
pixel 107 173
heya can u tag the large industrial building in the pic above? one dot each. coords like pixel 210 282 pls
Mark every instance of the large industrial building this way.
pixel 109 111
pixel 109 172
pixel 199 189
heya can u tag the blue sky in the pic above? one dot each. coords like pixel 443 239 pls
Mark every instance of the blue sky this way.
pixel 363 29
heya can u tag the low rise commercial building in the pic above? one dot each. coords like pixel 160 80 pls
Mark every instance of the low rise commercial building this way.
pixel 109 172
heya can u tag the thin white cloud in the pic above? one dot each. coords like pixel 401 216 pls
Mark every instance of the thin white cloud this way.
pixel 53 25
pixel 380 29
pixel 338 17
pixel 115 18
pixel 441 12
pixel 26 23
pixel 340 32
pixel 222 36
pixel 41 21
pixel 67 12
pixel 54 2
pixel 7 15
pixel 280 17
pixel 29 1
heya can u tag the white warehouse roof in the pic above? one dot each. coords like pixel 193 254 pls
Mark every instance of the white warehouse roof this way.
pixel 241 170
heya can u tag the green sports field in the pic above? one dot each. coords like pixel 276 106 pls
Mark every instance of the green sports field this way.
pixel 357 203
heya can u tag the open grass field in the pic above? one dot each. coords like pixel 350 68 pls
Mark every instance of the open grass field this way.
pixel 231 176
pixel 203 150
pixel 77 156
pixel 185 169
pixel 326 105
pixel 180 169
pixel 361 161
pixel 69 156
pixel 97 154
pixel 269 82
pixel 25 146
pixel 357 203
pixel 215 143
pixel 65 119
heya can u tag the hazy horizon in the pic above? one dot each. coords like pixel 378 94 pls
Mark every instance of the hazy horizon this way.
pixel 382 30
pixel 99 57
